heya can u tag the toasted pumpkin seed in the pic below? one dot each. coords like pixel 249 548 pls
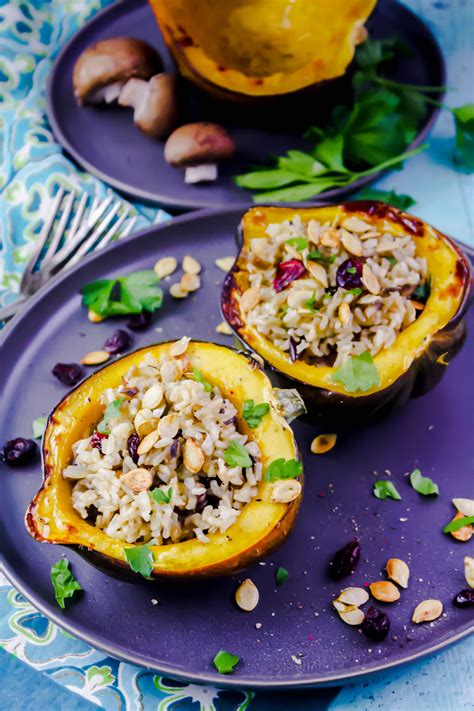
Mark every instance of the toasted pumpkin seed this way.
pixel 323 443
pixel 193 456
pixel 469 570
pixel 342 606
pixel 247 595
pixel 285 490
pixel 165 266
pixel 144 422
pixel 352 617
pixel 351 243
pixel 293 252
pixel 330 238
pixel 314 230
pixel 369 280
pixel 190 282
pixel 427 611
pixel 147 442
pixel 249 299
pixel 417 305
pixel 384 591
pixel 177 291
pixel 225 263
pixel 344 313
pixel 93 317
pixel 168 426
pixel 464 506
pixel 355 224
pixel 398 571
pixel 318 272
pixel 191 265
pixel 354 596
pixel 465 533
pixel 152 397
pixel 137 479
pixel 224 328
pixel 180 347
pixel 95 358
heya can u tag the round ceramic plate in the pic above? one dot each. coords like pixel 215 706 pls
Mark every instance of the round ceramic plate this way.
pixel 106 143
pixel 180 636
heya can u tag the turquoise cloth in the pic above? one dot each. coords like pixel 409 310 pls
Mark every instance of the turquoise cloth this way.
pixel 31 34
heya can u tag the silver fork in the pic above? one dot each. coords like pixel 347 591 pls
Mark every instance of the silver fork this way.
pixel 89 229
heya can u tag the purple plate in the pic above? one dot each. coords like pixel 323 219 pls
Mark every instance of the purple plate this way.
pixel 180 636
pixel 106 143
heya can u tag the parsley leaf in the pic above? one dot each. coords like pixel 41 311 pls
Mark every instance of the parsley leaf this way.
pixel 358 373
pixel 311 303
pixel 355 291
pixel 283 469
pixel 458 523
pixel 403 202
pixel 236 455
pixel 317 256
pixel 423 484
pixel 39 426
pixel 225 662
pixel 351 270
pixel 464 124
pixel 386 490
pixel 131 294
pixel 64 582
pixel 200 378
pixel 281 576
pixel 253 414
pixel 160 496
pixel 391 260
pixel 299 243
pixel 112 410
pixel 140 560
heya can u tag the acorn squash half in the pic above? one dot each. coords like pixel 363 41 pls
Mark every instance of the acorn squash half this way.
pixel 261 526
pixel 238 49
pixel 419 357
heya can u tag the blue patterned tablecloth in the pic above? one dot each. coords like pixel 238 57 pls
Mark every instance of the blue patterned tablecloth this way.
pixel 31 34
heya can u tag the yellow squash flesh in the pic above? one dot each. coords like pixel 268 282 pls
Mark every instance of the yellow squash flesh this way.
pixel 261 526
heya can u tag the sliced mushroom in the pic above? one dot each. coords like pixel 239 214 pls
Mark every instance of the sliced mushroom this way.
pixel 154 103
pixel 199 147
pixel 104 67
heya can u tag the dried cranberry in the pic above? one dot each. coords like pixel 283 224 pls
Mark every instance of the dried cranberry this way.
pixel 140 322
pixel 68 373
pixel 293 352
pixel 288 272
pixel 174 449
pixel 465 598
pixel 376 624
pixel 119 341
pixel 18 451
pixel 231 421
pixel 133 443
pixel 92 513
pixel 349 274
pixel 201 502
pixel 345 560
pixel 131 392
pixel 96 440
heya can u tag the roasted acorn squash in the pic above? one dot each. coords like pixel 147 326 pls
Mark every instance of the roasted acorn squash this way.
pixel 261 526
pixel 254 48
pixel 418 358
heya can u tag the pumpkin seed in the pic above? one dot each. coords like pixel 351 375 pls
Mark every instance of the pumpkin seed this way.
pixel 285 490
pixel 193 456
pixel 344 313
pixel 165 266
pixel 462 534
pixel 369 280
pixel 351 243
pixel 318 272
pixel 355 224
pixel 354 596
pixel 177 291
pixel 147 442
pixel 179 347
pixel 249 299
pixel 427 611
pixel 224 328
pixel 323 443
pixel 352 617
pixel 152 397
pixel 137 479
pixel 95 358
pixel 247 596
pixel 93 317
pixel 384 591
pixel 464 506
pixel 314 230
pixel 398 571
pixel 191 265
pixel 144 422
pixel 190 282
pixel 168 426
pixel 330 238
pixel 469 570
pixel 225 263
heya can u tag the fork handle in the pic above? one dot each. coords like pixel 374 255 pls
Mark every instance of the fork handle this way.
pixel 11 309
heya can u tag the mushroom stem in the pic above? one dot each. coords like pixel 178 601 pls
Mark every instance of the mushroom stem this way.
pixel 200 173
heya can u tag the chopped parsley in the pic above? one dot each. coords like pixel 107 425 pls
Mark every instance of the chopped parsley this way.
pixel 253 413
pixel 356 291
pixel 458 523
pixel 311 303
pixel 161 496
pixel 39 426
pixel 64 582
pixel 199 378
pixel 111 411
pixel 351 270
pixel 236 455
pixel 358 373
pixel 317 256
pixel 423 484
pixel 299 243
pixel 386 490
pixel 140 560
pixel 281 576
pixel 225 662
pixel 283 469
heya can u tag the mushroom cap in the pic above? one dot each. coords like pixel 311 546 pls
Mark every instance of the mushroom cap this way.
pixel 113 60
pixel 198 143
pixel 154 103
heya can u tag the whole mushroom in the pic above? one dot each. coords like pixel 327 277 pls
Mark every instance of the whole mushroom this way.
pixel 154 103
pixel 103 68
pixel 199 147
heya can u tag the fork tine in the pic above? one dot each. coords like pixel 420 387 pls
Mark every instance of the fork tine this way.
pixel 42 239
pixel 95 202
pixel 129 227
pixel 78 216
pixel 113 230
pixel 92 239
pixel 67 204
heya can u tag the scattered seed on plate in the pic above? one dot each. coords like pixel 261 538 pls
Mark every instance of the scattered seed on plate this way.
pixel 165 266
pixel 384 591
pixel 323 443
pixel 427 611
pixel 398 571
pixel 285 490
pixel 190 282
pixel 191 265
pixel 224 328
pixel 353 617
pixel 95 358
pixel 465 532
pixel 246 595
pixel 353 596
pixel 225 263
pixel 180 347
pixel 93 317
pixel 464 506
pixel 177 291
pixel 295 659
pixel 469 570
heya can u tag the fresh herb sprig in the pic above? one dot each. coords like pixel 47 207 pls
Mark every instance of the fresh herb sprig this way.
pixel 131 294
pixel 64 582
